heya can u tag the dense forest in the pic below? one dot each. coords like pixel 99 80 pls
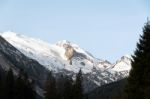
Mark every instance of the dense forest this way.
pixel 16 87
pixel 21 87
pixel 68 90
pixel 112 90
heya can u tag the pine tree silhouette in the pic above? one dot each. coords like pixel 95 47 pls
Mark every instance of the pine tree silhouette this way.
pixel 78 89
pixel 138 86
pixel 68 88
pixel 23 87
pixel 9 85
pixel 1 86
pixel 50 87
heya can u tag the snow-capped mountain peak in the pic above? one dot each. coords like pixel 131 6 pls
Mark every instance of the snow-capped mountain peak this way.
pixel 52 56
pixel 67 44
pixel 59 43
pixel 67 57
pixel 123 64
pixel 62 55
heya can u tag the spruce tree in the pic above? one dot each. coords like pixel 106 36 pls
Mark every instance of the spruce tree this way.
pixel 60 86
pixel 68 89
pixel 1 86
pixel 30 90
pixel 23 87
pixel 9 85
pixel 78 89
pixel 50 87
pixel 19 88
pixel 138 83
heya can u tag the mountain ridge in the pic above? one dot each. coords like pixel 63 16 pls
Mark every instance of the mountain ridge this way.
pixel 61 46
pixel 68 58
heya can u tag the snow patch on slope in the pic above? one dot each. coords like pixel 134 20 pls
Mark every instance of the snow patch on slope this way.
pixel 124 64
pixel 52 56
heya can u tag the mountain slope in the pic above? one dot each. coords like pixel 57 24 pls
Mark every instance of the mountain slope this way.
pixel 10 57
pixel 68 58
pixel 109 91
pixel 48 54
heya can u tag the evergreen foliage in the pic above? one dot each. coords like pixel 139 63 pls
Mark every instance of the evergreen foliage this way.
pixel 50 87
pixel 138 86
pixel 24 87
pixel 68 89
pixel 18 87
pixel 9 85
pixel 0 86
pixel 112 90
pixel 77 89
pixel 21 87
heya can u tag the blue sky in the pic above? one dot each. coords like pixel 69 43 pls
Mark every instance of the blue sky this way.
pixel 106 28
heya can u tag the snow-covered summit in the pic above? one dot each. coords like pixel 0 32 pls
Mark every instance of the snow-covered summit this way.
pixel 65 44
pixel 68 58
pixel 52 56
pixel 123 64
pixel 62 55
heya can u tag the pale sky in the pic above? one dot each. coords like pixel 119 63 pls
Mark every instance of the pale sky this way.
pixel 108 29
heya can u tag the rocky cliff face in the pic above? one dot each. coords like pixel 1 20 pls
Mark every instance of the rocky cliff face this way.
pixel 69 51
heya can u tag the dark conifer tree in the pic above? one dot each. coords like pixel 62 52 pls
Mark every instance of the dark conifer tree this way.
pixel 23 87
pixel 138 86
pixel 1 86
pixel 19 88
pixel 9 85
pixel 31 90
pixel 50 87
pixel 68 89
pixel 60 86
pixel 78 89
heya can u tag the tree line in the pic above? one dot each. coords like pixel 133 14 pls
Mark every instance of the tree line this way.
pixel 71 89
pixel 21 87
